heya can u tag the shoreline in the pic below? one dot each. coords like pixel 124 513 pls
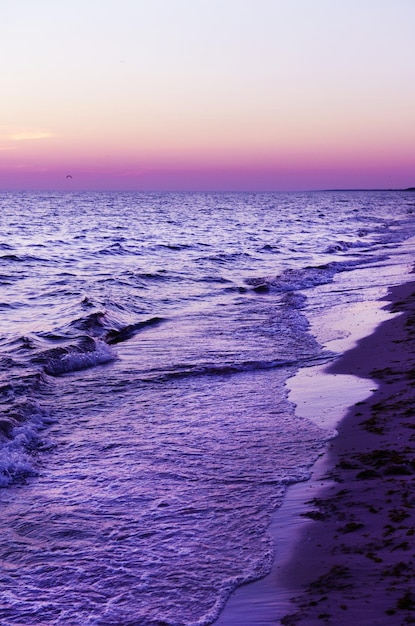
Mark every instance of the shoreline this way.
pixel 344 538
pixel 356 560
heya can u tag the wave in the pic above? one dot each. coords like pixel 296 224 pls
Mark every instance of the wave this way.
pixel 176 246
pixel 83 343
pixel 157 275
pixel 293 279
pixel 9 305
pixel 74 358
pixel 344 246
pixel 93 324
pixel 225 257
pixel 224 369
pixel 21 422
pixel 271 248
pixel 220 280
pixel 19 443
pixel 123 334
pixel 113 249
pixel 108 327
pixel 24 258
pixel 28 369
pixel 91 350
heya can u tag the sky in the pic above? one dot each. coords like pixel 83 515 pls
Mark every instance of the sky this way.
pixel 210 95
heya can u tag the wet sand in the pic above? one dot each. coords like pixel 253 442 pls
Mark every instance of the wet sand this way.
pixel 356 562
pixel 346 539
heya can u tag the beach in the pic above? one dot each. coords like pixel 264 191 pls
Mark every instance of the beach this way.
pixel 345 538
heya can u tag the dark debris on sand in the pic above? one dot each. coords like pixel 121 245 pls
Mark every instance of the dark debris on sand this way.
pixel 357 564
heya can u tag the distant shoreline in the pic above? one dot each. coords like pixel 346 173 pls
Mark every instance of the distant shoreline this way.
pixel 344 190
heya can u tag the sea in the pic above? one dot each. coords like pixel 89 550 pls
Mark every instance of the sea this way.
pixel 147 341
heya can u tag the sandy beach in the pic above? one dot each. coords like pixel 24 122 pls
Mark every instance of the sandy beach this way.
pixel 356 561
pixel 345 539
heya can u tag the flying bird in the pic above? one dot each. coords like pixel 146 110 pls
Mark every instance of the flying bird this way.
pixel 68 176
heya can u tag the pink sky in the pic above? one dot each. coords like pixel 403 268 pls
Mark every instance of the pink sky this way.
pixel 209 95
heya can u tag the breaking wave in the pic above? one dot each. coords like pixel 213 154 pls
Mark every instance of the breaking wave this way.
pixel 85 342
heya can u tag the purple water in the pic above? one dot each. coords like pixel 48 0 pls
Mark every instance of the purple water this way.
pixel 145 432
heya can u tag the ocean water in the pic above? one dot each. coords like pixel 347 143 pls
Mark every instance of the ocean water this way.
pixel 146 341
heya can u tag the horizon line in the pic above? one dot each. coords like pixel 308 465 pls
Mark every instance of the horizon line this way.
pixel 219 191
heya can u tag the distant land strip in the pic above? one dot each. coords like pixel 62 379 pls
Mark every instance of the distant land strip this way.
pixel 376 189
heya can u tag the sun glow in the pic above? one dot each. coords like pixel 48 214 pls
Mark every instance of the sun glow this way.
pixel 265 89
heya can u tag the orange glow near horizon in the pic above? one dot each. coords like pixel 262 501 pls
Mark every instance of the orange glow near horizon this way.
pixel 276 164
pixel 278 94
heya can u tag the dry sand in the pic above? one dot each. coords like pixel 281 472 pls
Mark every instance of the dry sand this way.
pixel 345 540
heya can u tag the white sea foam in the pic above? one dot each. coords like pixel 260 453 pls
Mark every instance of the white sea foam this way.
pixel 16 451
pixel 75 360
